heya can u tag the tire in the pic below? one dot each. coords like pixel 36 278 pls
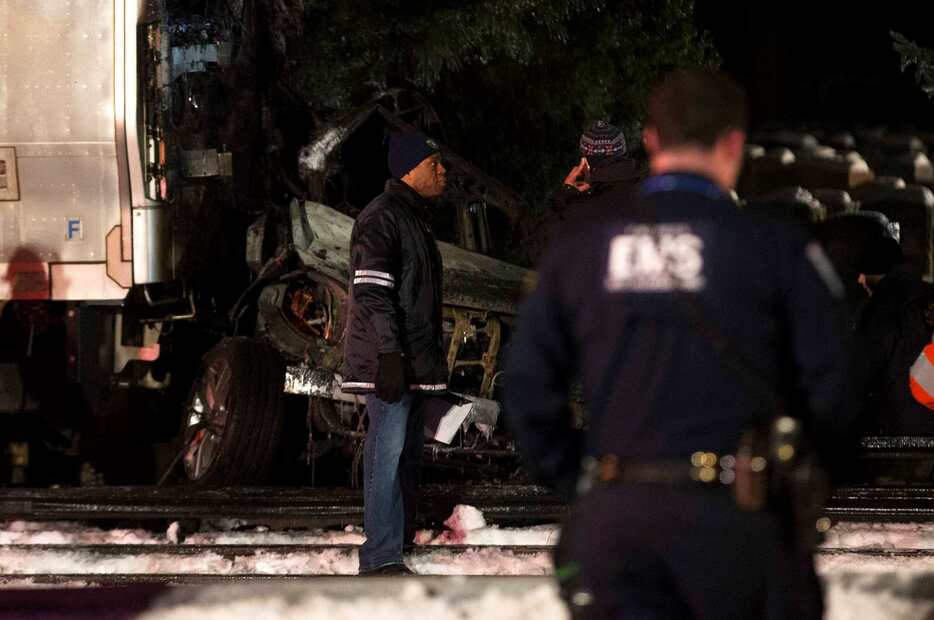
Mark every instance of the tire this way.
pixel 233 418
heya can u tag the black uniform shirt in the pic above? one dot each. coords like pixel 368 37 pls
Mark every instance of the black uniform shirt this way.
pixel 621 282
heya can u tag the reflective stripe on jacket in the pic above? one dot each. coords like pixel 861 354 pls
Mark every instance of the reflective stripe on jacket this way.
pixel 395 293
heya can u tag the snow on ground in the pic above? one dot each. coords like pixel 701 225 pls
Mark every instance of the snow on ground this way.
pixel 64 533
pixel 465 526
pixel 856 585
pixel 856 563
pixel 881 536
pixel 262 536
pixel 388 599
pixel 67 532
pixel 857 597
pixel 480 561
pixel 883 596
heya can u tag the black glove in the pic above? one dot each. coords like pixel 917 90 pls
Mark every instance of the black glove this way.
pixel 390 377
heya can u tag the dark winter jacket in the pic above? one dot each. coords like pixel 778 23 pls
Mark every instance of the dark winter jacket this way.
pixel 893 328
pixel 610 184
pixel 614 175
pixel 610 308
pixel 395 293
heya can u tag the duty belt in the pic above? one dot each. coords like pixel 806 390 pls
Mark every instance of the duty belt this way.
pixel 704 468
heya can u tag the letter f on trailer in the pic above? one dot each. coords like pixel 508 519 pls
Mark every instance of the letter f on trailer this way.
pixel 82 202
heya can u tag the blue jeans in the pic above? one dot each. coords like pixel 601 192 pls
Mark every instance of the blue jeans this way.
pixel 391 461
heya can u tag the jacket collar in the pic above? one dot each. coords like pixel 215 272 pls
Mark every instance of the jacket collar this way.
pixel 615 171
pixel 407 194
pixel 683 182
pixel 903 280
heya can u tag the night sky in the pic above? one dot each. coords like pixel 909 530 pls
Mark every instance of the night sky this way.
pixel 825 62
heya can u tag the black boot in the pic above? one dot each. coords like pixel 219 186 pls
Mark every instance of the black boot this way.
pixel 396 568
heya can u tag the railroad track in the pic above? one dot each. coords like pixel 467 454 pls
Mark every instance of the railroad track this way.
pixel 321 507
pixel 882 504
pixel 29 564
pixel 876 552
pixel 129 579
pixel 111 564
pixel 101 551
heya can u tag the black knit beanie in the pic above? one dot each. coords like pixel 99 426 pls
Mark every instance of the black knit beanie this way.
pixel 407 150
pixel 602 140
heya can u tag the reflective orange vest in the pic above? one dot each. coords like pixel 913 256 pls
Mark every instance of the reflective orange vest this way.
pixel 921 377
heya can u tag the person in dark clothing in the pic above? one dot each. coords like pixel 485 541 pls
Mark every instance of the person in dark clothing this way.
pixel 602 177
pixel 666 309
pixel 891 310
pixel 602 167
pixel 393 341
pixel 858 244
pixel 894 327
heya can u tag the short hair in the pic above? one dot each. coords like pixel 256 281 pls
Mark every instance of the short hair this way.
pixel 696 107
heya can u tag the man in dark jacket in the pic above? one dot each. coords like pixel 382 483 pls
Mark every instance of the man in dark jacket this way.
pixel 393 341
pixel 603 176
pixel 603 167
pixel 893 328
pixel 891 309
pixel 859 244
pixel 687 322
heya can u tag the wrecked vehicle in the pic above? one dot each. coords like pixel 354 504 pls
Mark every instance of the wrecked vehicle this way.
pixel 300 301
pixel 175 243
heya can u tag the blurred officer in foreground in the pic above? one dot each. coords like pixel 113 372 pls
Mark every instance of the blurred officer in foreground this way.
pixel 689 323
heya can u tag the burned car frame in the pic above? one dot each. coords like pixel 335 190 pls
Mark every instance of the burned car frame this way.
pixel 298 302
pixel 178 136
